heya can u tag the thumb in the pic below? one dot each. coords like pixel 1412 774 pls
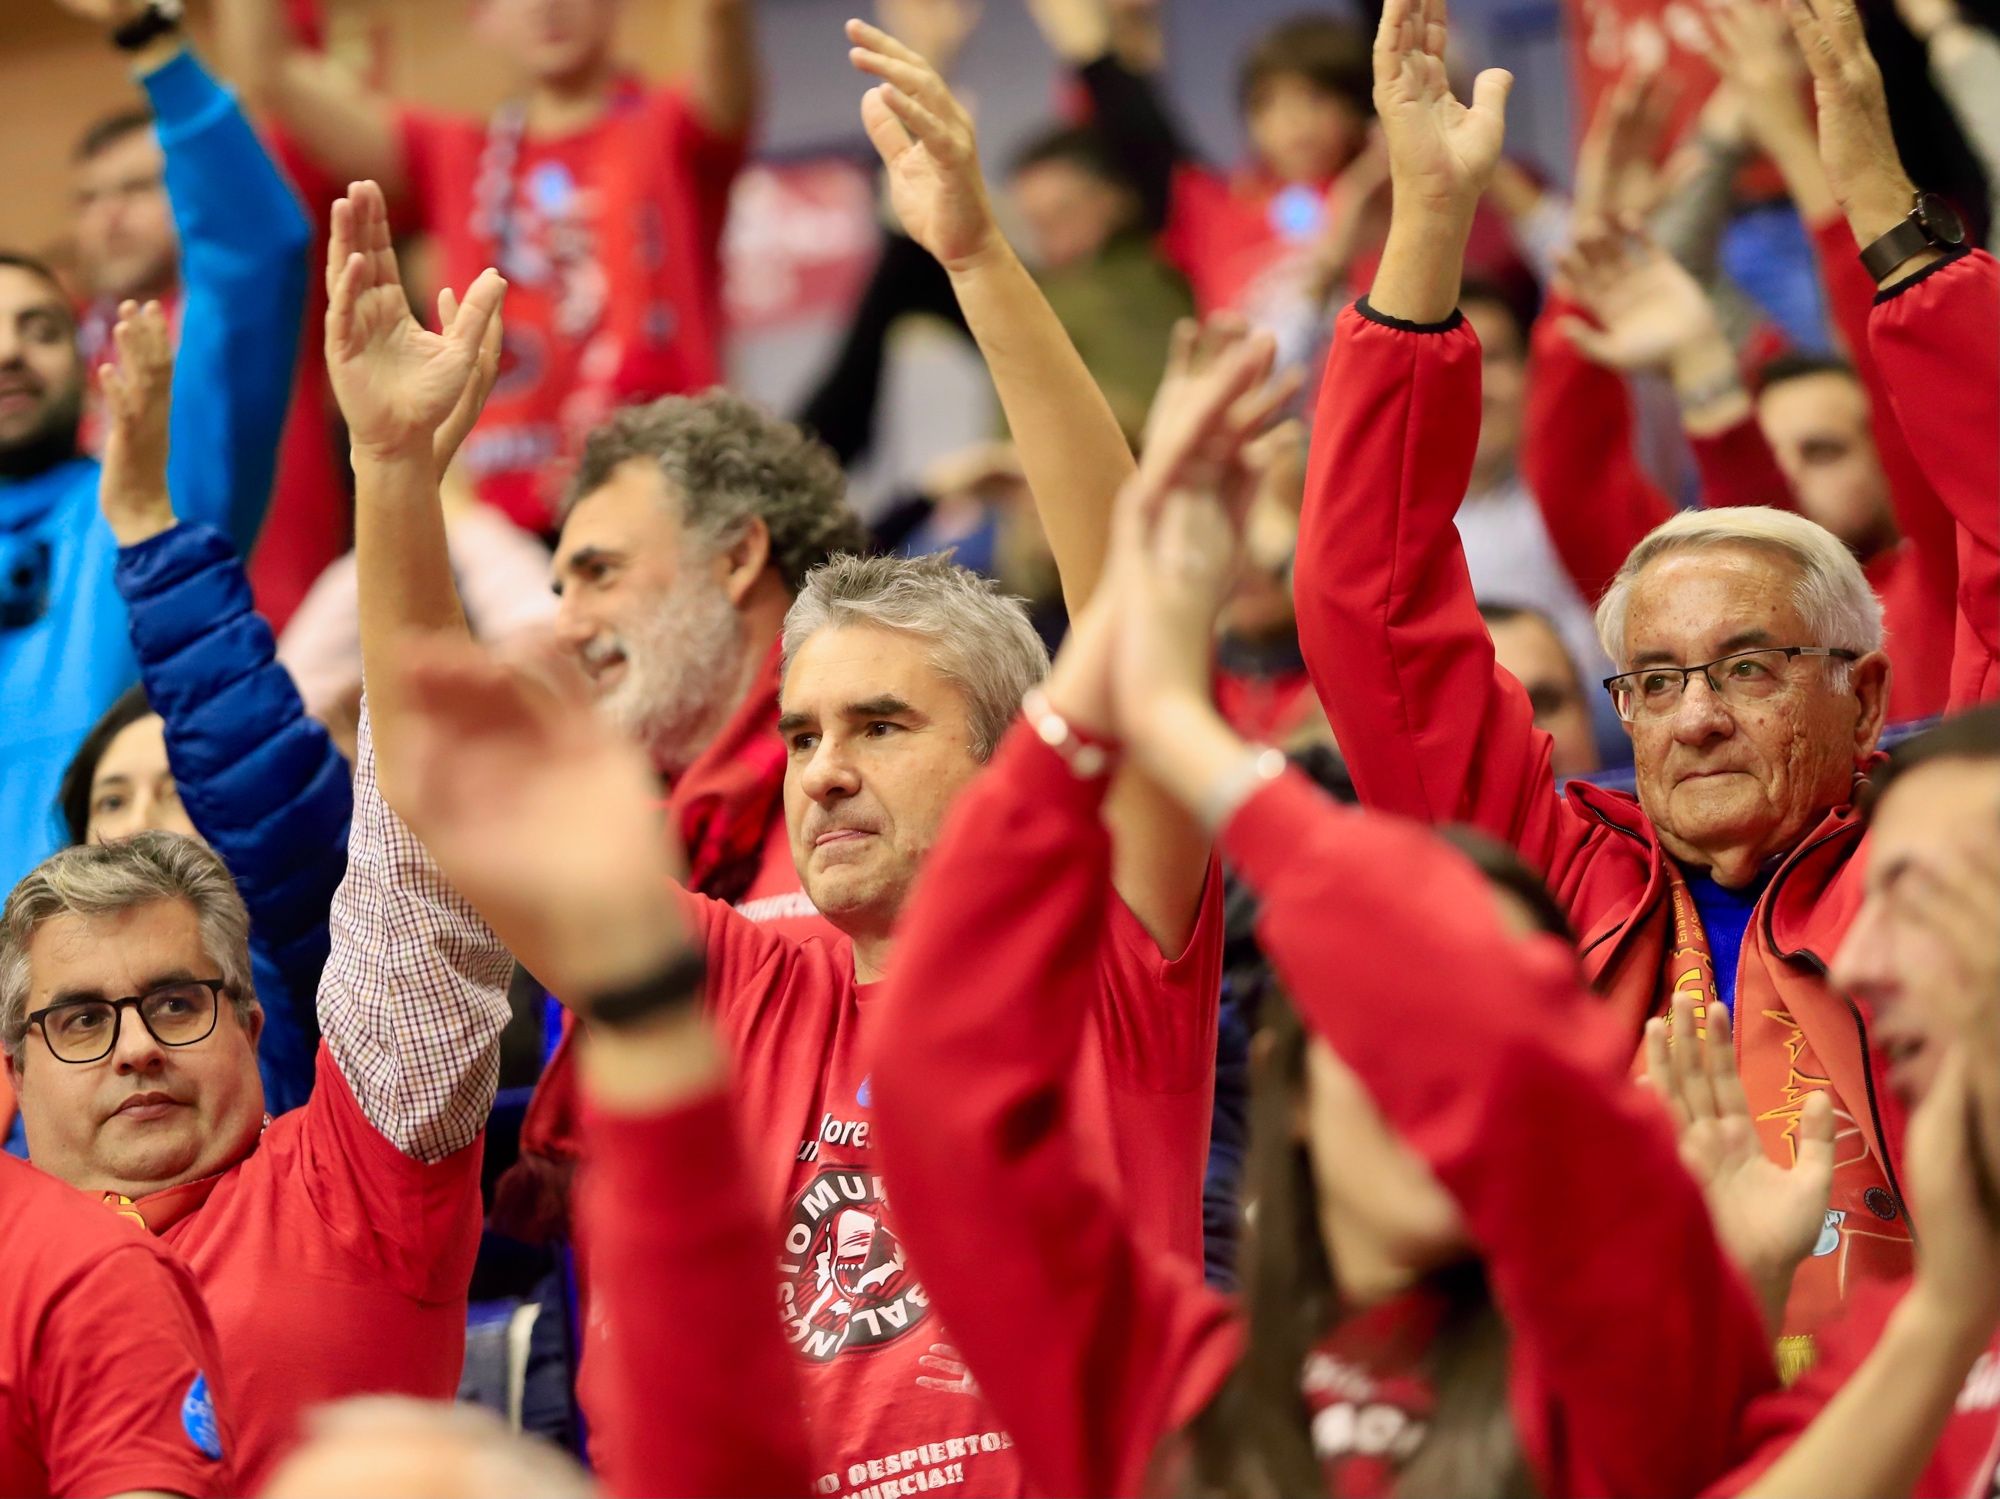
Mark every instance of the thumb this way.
pixel 1592 343
pixel 481 305
pixel 1490 90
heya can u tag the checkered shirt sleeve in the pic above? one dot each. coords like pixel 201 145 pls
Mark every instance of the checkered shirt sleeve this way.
pixel 414 994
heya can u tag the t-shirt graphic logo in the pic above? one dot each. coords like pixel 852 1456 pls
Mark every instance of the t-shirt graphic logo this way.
pixel 845 1287
pixel 198 1419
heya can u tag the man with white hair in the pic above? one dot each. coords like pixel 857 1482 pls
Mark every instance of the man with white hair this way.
pixel 1749 669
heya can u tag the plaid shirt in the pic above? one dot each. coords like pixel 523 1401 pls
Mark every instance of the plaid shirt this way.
pixel 414 995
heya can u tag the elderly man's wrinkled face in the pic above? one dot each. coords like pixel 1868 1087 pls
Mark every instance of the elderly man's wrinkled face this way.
pixel 147 1116
pixel 1898 957
pixel 1730 784
pixel 878 742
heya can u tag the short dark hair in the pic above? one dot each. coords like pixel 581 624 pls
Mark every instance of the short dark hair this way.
pixel 1972 735
pixel 1079 146
pixel 729 461
pixel 1518 304
pixel 111 129
pixel 73 795
pixel 1329 53
pixel 1797 365
pixel 34 265
pixel 1505 869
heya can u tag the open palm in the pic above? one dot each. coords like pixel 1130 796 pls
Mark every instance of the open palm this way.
pixel 1646 303
pixel 396 381
pixel 1442 152
pixel 929 153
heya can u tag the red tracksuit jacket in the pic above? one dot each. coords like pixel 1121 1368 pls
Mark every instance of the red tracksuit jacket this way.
pixel 1634 1340
pixel 1433 730
pixel 1598 501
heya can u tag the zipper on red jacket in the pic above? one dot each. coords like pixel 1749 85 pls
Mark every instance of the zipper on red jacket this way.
pixel 1818 965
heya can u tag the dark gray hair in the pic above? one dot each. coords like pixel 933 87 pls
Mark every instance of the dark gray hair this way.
pixel 980 638
pixel 730 462
pixel 102 879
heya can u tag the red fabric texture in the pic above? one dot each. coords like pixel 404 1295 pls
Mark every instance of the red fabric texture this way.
pixel 1268 709
pixel 615 286
pixel 1433 731
pixel 1485 1055
pixel 885 1393
pixel 332 1263
pixel 1964 1460
pixel 729 809
pixel 103 1334
pixel 680 1245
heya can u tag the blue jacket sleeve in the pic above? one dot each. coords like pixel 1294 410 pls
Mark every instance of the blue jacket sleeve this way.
pixel 262 781
pixel 244 240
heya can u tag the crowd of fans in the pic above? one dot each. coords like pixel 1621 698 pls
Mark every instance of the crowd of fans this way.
pixel 1396 891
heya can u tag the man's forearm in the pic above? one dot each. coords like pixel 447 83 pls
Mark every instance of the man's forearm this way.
pixel 723 79
pixel 1073 452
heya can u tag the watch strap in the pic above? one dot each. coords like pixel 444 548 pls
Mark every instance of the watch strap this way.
pixel 1890 250
pixel 675 986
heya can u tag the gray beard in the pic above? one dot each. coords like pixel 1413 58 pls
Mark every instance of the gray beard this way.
pixel 683 665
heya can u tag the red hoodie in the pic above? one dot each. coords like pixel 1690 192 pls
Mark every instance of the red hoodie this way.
pixel 1483 1053
pixel 1433 729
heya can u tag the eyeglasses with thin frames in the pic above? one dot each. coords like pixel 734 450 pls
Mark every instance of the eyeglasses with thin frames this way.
pixel 1739 678
pixel 81 1031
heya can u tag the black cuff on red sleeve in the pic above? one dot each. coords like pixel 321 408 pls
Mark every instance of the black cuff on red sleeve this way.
pixel 1952 257
pixel 1404 324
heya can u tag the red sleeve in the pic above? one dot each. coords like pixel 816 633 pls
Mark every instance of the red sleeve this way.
pixel 996 1199
pixel 1936 340
pixel 1430 726
pixel 1924 619
pixel 114 1382
pixel 709 158
pixel 1569 1178
pixel 697 1387
pixel 1737 468
pixel 421 137
pixel 1577 456
pixel 413 1225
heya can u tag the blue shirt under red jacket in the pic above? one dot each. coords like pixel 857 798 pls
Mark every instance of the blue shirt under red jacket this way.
pixel 262 782
pixel 63 653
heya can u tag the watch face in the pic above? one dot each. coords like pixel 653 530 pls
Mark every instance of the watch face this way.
pixel 1940 221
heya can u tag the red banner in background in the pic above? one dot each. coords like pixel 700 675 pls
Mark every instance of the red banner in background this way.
pixel 801 241
pixel 1608 37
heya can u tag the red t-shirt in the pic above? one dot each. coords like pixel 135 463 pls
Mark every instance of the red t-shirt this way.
pixel 610 239
pixel 887 1401
pixel 333 1264
pixel 108 1370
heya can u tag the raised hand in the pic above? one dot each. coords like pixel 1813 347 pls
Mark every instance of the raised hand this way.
pixel 1767 1216
pixel 1077 31
pixel 472 400
pixel 1856 144
pixel 540 813
pixel 936 30
pixel 1955 1205
pixel 396 382
pixel 1617 174
pixel 138 400
pixel 928 149
pixel 1441 152
pixel 1647 305
pixel 1760 66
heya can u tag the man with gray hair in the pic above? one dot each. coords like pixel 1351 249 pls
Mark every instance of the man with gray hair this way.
pixel 1747 648
pixel 333 1245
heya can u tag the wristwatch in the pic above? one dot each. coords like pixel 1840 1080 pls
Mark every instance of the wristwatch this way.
pixel 1932 224
pixel 159 18
pixel 1086 758
pixel 675 986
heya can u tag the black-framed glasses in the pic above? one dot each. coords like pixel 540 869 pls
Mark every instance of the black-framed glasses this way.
pixel 176 1014
pixel 1740 678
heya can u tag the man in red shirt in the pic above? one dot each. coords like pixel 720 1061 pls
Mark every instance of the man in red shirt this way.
pixel 599 197
pixel 334 1245
pixel 109 1381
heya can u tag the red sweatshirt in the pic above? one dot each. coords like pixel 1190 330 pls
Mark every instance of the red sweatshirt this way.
pixel 1966 1461
pixel 1433 730
pixel 1569 1181
pixel 886 1396
pixel 697 1394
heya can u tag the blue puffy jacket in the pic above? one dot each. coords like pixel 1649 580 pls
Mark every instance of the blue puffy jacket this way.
pixel 63 653
pixel 260 780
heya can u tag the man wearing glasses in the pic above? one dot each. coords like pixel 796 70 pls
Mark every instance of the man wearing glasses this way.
pixel 1750 671
pixel 333 1245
